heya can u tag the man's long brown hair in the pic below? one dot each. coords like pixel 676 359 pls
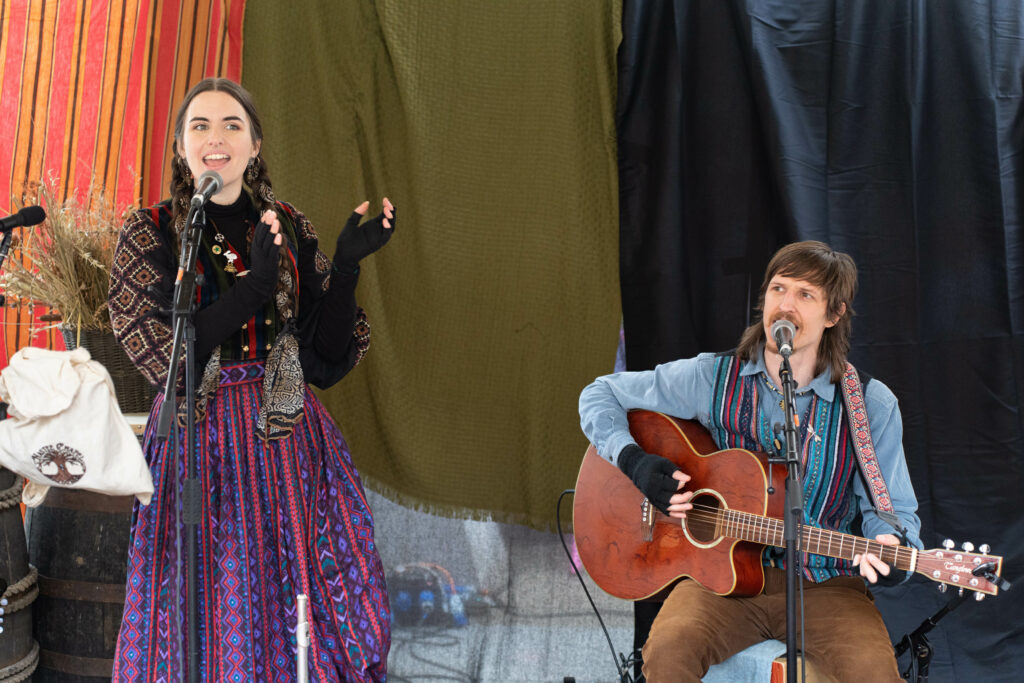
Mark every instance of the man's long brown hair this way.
pixel 836 274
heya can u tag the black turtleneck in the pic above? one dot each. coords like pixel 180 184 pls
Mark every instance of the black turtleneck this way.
pixel 218 321
pixel 233 221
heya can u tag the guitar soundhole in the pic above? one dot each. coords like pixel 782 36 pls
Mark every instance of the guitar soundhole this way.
pixel 700 522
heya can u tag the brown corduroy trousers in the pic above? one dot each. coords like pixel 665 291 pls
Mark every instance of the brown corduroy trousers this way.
pixel 844 634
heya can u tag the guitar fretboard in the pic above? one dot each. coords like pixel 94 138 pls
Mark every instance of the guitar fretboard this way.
pixel 769 531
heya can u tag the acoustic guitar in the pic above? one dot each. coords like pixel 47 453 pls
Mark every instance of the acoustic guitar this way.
pixel 633 551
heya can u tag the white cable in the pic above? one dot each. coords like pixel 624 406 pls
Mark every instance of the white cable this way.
pixel 302 638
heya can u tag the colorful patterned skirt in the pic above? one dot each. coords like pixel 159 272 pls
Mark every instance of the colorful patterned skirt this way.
pixel 278 520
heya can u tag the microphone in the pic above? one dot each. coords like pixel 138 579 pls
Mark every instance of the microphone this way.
pixel 783 332
pixel 209 184
pixel 30 215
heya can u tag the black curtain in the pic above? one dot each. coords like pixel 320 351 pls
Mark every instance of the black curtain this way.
pixel 891 130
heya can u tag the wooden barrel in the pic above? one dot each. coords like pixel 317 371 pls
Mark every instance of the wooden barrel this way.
pixel 19 653
pixel 78 541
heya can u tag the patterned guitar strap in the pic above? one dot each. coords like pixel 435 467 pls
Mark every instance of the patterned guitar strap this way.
pixel 860 432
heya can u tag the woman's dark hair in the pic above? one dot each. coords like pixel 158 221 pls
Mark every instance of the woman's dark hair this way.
pixel 256 176
pixel 182 182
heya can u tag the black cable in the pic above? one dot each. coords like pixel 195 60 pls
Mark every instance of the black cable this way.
pixel 629 663
pixel 624 676
pixel 439 639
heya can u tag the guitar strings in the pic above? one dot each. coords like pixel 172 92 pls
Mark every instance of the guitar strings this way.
pixel 724 521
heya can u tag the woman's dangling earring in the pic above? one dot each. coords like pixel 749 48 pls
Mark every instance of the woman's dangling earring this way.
pixel 186 172
pixel 250 173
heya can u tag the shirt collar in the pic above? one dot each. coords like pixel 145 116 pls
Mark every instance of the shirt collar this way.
pixel 822 385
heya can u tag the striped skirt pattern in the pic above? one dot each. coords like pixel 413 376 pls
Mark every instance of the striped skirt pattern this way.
pixel 278 520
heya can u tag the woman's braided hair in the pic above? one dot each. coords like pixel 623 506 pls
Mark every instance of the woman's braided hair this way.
pixel 256 177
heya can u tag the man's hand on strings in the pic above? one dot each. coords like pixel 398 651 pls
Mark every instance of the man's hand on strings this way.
pixel 679 503
pixel 870 565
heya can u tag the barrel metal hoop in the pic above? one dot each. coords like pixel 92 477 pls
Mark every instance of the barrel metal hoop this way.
pixel 81 499
pixel 79 666
pixel 90 591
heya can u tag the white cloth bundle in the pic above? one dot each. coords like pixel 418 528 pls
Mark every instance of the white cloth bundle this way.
pixel 64 427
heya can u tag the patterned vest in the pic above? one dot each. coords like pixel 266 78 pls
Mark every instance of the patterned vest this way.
pixel 256 337
pixel 828 459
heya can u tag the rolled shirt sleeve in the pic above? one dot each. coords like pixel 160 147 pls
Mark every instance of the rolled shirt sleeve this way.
pixel 679 388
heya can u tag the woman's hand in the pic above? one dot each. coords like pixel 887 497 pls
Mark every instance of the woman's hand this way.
pixel 356 241
pixel 264 252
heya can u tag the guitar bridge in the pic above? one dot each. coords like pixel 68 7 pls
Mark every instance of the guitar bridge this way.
pixel 647 520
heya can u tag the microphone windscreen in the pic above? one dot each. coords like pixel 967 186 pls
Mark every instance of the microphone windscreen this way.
pixel 782 324
pixel 211 177
pixel 32 215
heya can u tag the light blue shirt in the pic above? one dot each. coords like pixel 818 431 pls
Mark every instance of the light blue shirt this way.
pixel 683 388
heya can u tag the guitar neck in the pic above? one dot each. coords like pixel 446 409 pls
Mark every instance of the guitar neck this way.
pixel 769 531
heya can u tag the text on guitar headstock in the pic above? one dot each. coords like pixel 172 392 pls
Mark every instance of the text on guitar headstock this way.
pixel 963 568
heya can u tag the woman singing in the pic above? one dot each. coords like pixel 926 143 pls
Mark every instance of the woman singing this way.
pixel 283 509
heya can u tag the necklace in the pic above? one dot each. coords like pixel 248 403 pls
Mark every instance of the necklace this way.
pixel 771 385
pixel 218 249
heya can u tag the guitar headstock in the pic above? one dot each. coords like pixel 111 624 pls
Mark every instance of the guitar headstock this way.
pixel 963 569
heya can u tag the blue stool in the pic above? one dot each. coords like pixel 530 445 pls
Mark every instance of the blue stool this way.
pixel 761 663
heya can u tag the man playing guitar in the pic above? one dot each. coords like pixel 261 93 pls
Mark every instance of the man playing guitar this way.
pixel 737 397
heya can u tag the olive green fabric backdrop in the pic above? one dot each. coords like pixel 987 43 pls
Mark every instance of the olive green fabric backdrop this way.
pixel 491 127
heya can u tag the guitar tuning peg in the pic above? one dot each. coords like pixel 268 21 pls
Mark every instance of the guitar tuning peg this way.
pixel 979 597
pixel 968 547
pixel 983 549
pixel 943 587
pixel 960 592
pixel 948 544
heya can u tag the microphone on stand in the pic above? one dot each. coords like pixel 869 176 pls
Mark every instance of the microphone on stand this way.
pixel 783 332
pixel 30 215
pixel 208 184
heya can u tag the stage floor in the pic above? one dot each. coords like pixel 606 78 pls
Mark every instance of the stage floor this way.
pixel 526 615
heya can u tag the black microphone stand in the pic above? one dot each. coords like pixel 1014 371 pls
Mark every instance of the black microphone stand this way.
pixel 190 504
pixel 793 520
pixel 917 642
pixel 919 645
pixel 5 245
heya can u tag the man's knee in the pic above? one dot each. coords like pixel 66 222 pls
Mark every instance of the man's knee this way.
pixel 684 643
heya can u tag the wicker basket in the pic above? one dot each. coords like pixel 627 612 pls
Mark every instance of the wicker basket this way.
pixel 134 393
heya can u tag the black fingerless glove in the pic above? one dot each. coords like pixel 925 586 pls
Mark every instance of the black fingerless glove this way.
pixel 264 256
pixel 238 303
pixel 356 241
pixel 652 474
pixel 893 578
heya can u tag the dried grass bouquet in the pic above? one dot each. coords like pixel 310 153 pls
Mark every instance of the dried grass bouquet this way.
pixel 68 259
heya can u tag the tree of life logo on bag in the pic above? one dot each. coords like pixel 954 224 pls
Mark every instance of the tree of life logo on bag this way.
pixel 60 463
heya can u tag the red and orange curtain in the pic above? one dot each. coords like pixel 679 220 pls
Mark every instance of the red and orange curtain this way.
pixel 87 90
